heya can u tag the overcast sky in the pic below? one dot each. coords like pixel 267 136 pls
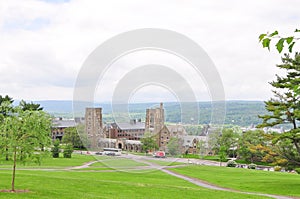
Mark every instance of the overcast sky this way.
pixel 43 44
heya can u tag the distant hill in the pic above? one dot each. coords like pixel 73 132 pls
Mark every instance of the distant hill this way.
pixel 242 113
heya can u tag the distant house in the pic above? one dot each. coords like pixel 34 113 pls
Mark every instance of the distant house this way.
pixel 191 144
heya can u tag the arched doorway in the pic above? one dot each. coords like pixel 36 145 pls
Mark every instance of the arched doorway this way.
pixel 120 145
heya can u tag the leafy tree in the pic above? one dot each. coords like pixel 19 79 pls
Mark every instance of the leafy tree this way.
pixel 174 146
pixel 68 150
pixel 71 136
pixel 229 140
pixel 23 133
pixel 6 110
pixel 5 105
pixel 149 142
pixel 202 148
pixel 284 108
pixel 255 146
pixel 55 150
pixel 222 154
pixel 213 141
pixel 281 41
pixel 30 106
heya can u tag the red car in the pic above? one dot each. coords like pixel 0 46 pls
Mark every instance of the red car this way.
pixel 159 154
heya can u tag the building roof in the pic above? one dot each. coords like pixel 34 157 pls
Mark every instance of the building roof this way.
pixel 131 125
pixel 188 139
pixel 176 129
pixel 63 123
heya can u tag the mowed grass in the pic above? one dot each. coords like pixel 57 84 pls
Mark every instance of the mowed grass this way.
pixel 114 163
pixel 76 184
pixel 165 163
pixel 50 162
pixel 277 183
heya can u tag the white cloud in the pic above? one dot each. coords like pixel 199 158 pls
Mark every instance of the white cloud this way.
pixel 44 44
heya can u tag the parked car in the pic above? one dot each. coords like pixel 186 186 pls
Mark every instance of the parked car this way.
pixel 159 154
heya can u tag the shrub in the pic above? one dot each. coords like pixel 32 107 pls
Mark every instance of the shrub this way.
pixel 55 149
pixel 231 163
pixel 277 168
pixel 297 170
pixel 68 150
pixel 252 166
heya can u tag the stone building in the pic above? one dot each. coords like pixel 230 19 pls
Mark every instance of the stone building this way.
pixel 93 125
pixel 133 130
pixel 126 136
pixel 58 127
pixel 155 119
pixel 168 132
pixel 195 144
pixel 125 145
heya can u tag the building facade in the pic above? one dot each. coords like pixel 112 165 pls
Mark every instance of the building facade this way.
pixel 94 126
pixel 58 127
pixel 155 119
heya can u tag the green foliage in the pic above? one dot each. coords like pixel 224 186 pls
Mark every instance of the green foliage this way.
pixel 290 41
pixel 55 150
pixel 277 168
pixel 229 140
pixel 195 156
pixel 68 150
pixel 24 134
pixel 297 170
pixel 149 142
pixel 174 146
pixel 254 147
pixel 30 106
pixel 72 136
pixel 231 163
pixel 285 108
pixel 222 154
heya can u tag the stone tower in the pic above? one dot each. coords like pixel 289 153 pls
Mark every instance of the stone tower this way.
pixel 93 125
pixel 155 119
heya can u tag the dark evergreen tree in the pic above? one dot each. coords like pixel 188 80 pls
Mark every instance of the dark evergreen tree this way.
pixel 55 149
pixel 30 106
pixel 284 108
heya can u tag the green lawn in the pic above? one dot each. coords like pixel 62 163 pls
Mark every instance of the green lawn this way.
pixel 75 184
pixel 50 162
pixel 165 163
pixel 112 163
pixel 246 179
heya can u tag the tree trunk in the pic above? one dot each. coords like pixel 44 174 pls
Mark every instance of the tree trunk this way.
pixel 14 171
pixel 6 155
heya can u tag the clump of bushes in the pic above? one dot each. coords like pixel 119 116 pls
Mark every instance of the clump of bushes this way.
pixel 277 168
pixel 297 170
pixel 231 163
pixel 68 150
pixel 55 149
pixel 252 166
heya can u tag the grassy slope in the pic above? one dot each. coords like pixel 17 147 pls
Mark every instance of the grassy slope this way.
pixel 245 179
pixel 87 184
pixel 74 184
pixel 76 160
